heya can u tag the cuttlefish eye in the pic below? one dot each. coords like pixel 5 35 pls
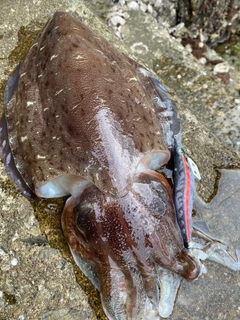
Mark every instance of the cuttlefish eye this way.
pixel 122 243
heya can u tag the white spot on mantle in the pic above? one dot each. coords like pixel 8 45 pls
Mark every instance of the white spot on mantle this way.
pixel 30 103
pixel 42 47
pixel 24 138
pixel 23 74
pixel 58 92
pixel 54 56
pixel 40 157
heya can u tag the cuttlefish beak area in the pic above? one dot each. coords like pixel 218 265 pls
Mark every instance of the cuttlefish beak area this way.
pixel 122 243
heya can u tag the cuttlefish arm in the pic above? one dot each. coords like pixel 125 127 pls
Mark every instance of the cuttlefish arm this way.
pixel 120 244
pixel 169 284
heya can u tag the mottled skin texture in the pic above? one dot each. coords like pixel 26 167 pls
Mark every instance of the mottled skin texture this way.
pixel 81 96
pixel 84 120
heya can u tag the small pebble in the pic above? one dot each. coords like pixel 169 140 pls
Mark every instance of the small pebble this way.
pixel 133 5
pixel 117 20
pixel 14 262
pixel 202 60
pixel 150 9
pixel 158 4
pixel 188 48
pixel 222 67
pixel 143 7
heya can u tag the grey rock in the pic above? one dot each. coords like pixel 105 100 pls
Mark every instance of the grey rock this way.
pixel 217 20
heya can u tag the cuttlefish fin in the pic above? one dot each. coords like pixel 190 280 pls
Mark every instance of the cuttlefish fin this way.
pixel 11 85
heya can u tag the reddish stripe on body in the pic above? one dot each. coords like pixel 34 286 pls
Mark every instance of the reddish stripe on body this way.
pixel 187 189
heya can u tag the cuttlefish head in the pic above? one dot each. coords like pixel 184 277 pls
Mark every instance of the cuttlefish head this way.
pixel 122 243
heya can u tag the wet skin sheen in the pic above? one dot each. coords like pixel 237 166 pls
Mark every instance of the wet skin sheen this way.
pixel 84 120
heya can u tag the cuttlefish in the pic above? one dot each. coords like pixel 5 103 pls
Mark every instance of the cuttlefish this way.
pixel 83 119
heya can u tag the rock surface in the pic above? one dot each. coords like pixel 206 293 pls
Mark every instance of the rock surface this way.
pixel 37 276
pixel 217 19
